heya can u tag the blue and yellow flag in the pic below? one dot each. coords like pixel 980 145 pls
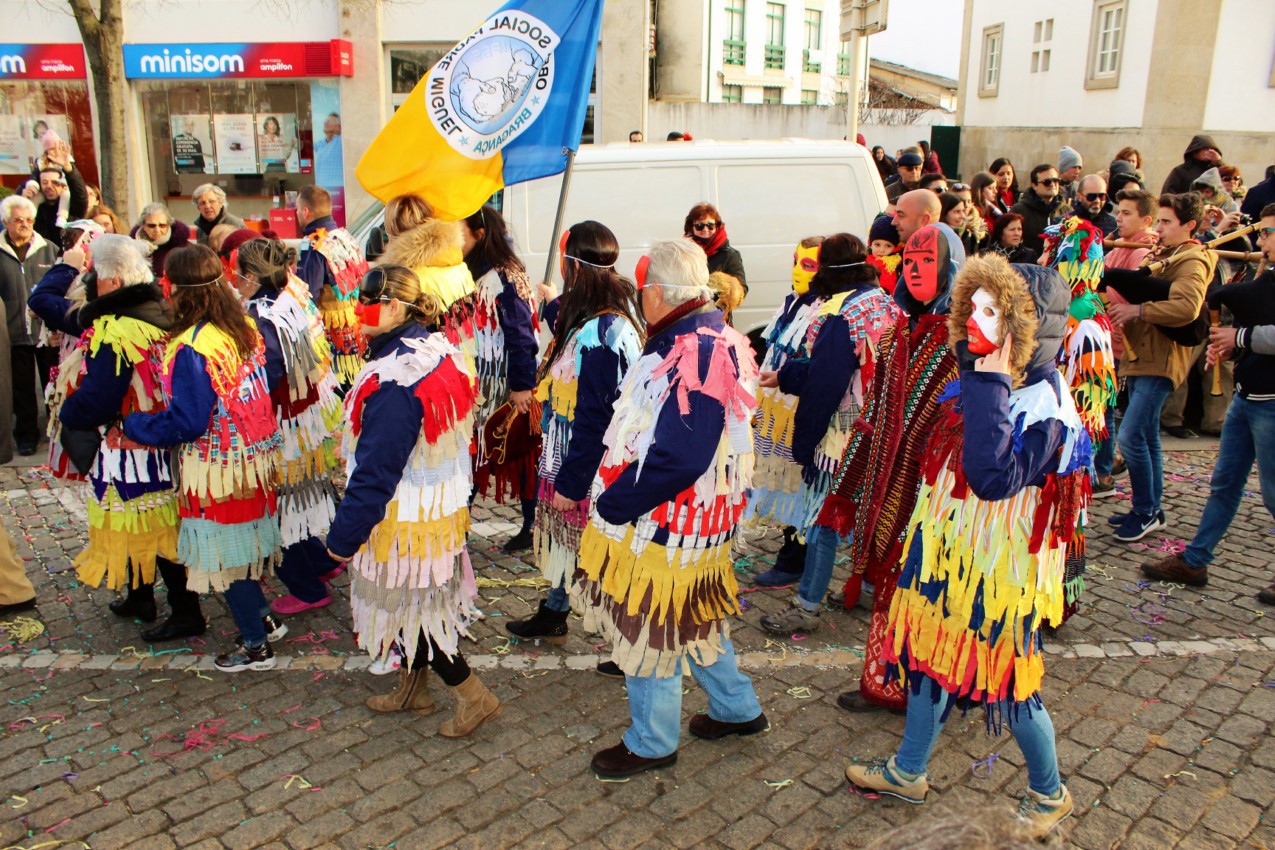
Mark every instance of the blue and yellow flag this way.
pixel 502 106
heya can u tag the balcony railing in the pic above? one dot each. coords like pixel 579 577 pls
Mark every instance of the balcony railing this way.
pixel 733 52
pixel 774 56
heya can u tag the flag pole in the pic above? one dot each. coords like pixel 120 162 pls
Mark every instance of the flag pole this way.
pixel 557 220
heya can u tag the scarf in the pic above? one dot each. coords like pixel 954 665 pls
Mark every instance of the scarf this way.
pixel 712 246
pixel 205 226
pixel 652 329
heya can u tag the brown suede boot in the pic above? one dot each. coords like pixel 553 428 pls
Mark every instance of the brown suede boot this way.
pixel 412 694
pixel 1176 570
pixel 474 704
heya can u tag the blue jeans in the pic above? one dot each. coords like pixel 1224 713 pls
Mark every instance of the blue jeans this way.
pixel 1032 729
pixel 303 563
pixel 557 599
pixel 1104 455
pixel 821 553
pixel 248 605
pixel 655 705
pixel 1140 440
pixel 1248 435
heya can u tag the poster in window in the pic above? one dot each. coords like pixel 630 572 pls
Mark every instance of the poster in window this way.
pixel 236 143
pixel 192 144
pixel 277 148
pixel 37 126
pixel 13 146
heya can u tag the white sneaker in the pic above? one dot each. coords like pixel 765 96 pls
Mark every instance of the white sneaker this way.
pixel 387 665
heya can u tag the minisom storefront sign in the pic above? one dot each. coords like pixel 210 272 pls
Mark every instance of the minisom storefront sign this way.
pixel 42 62
pixel 231 61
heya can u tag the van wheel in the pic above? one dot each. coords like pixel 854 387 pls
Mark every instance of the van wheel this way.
pixel 759 344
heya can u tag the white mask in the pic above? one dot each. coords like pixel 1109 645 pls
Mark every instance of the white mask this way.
pixel 986 318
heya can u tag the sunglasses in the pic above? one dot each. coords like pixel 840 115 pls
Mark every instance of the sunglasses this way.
pixel 1095 196
pixel 1049 181
pixel 960 187
pixel 705 225
pixel 372 289
pixel 1229 179
pixel 21 220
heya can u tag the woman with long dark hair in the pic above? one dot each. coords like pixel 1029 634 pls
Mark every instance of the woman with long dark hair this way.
pixel 986 198
pixel 220 421
pixel 505 330
pixel 830 387
pixel 885 164
pixel 409 420
pixel 1006 181
pixel 703 225
pixel 596 339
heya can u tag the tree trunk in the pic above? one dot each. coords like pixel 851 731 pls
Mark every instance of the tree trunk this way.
pixel 103 36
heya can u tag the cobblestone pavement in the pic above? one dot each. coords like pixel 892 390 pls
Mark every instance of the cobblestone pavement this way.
pixel 1163 700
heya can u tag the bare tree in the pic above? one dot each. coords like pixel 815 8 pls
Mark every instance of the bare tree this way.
pixel 102 30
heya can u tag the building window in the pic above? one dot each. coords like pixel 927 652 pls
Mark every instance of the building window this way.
pixel 1106 43
pixel 841 98
pixel 732 94
pixel 775 36
pixel 814 42
pixel 1042 37
pixel 843 61
pixel 989 75
pixel 809 97
pixel 733 47
pixel 772 94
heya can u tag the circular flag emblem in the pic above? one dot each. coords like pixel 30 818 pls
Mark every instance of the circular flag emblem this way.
pixel 493 85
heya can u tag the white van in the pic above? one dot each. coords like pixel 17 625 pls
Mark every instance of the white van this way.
pixel 771 195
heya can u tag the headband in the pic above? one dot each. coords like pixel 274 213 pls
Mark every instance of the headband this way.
pixel 221 278
pixel 842 265
pixel 562 249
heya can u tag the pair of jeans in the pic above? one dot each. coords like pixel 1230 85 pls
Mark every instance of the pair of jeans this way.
pixel 1032 728
pixel 557 599
pixel 655 704
pixel 821 553
pixel 303 562
pixel 1248 435
pixel 248 605
pixel 1140 440
pixel 1104 455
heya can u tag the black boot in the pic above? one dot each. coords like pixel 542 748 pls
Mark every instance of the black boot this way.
pixel 547 625
pixel 186 620
pixel 139 604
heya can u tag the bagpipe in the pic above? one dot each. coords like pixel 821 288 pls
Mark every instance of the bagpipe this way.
pixel 1138 286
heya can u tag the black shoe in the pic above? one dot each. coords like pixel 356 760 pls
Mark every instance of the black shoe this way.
pixel 547 625
pixel 1267 594
pixel 244 658
pixel 1181 432
pixel 275 628
pixel 619 762
pixel 175 628
pixel 14 607
pixel 26 449
pixel 135 606
pixel 703 726
pixel 791 557
pixel 610 669
pixel 520 542
pixel 854 702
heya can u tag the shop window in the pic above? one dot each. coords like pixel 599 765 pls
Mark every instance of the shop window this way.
pixel 27 109
pixel 259 141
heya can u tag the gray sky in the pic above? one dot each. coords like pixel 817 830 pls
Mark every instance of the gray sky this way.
pixel 922 34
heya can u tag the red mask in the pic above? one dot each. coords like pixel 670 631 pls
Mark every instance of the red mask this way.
pixel 369 315
pixel 640 272
pixel 925 263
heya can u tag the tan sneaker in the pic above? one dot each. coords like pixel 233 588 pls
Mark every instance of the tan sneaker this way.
pixel 882 776
pixel 1041 814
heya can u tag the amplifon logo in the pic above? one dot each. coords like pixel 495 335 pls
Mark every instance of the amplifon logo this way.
pixel 189 62
pixel 12 64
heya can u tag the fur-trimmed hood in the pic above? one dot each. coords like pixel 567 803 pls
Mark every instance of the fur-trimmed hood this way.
pixel 431 243
pixel 1018 310
pixel 143 301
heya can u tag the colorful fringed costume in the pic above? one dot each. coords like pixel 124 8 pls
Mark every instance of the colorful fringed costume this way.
pixel 228 449
pixel 887 270
pixel 656 576
pixel 405 514
pixel 338 265
pixel 577 394
pixel 1002 490
pixel 57 300
pixel 506 347
pixel 306 405
pixel 777 484
pixel 1088 358
pixel 132 508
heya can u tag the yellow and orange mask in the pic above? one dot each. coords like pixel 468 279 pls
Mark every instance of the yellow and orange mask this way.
pixel 805 262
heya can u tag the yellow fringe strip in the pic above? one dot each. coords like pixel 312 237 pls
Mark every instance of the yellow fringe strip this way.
pixel 131 339
pixel 226 479
pixel 419 539
pixel 561 393
pixel 138 539
pixel 776 416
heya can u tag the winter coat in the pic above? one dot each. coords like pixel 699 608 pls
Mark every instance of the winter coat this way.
pixel 17 279
pixel 1037 214
pixel 1104 220
pixel 1020 254
pixel 1147 352
pixel 179 238
pixel 201 235
pixel 727 259
pixel 1181 177
pixel 46 214
pixel 1212 179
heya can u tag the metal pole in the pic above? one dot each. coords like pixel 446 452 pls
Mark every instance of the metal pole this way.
pixel 557 221
pixel 856 81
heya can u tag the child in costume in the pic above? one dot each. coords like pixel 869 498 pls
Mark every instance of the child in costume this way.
pixel 595 341
pixel 403 519
pixel 220 421
pixel 1074 248
pixel 887 251
pixel 331 267
pixel 829 386
pixel 132 508
pixel 986 548
pixel 303 391
pixel 656 576
pixel 506 328
pixel 776 477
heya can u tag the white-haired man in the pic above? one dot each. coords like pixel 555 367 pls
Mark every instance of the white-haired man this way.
pixel 132 511
pixel 24 258
pixel 210 200
pixel 656 575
